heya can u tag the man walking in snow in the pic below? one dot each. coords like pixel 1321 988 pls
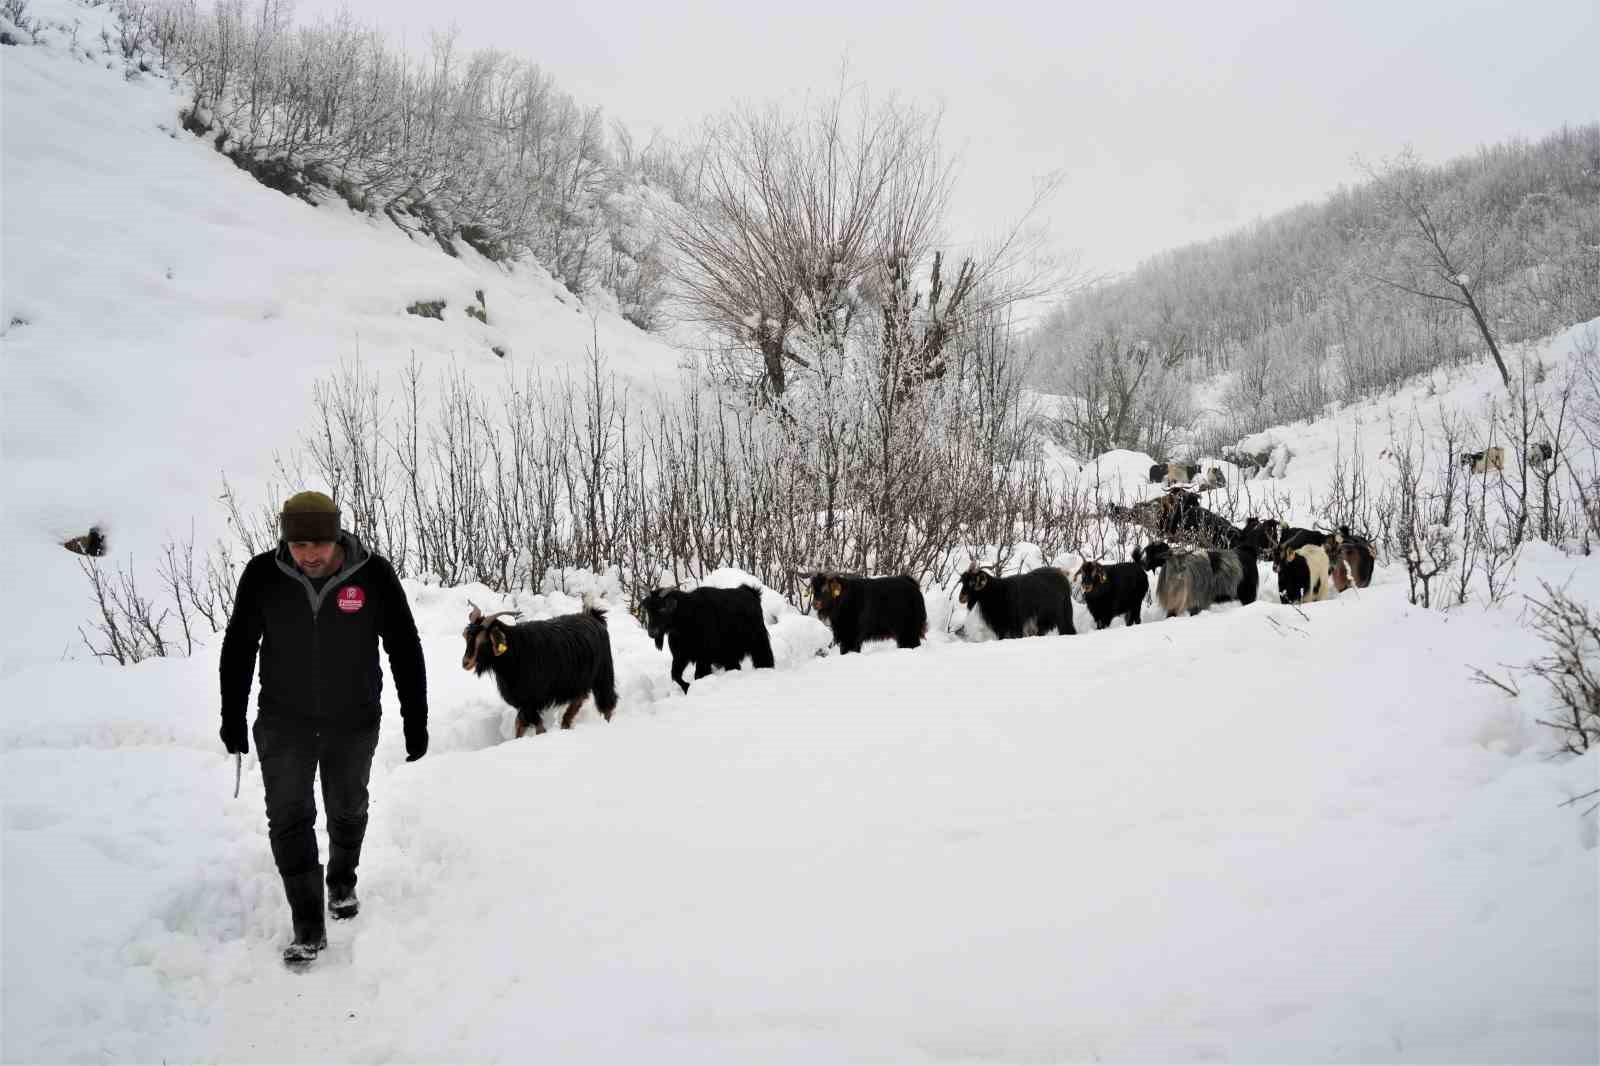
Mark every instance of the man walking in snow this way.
pixel 317 606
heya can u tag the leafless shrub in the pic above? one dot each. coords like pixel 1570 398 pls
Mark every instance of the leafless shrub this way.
pixel 1570 667
pixel 128 625
pixel 16 12
pixel 1120 395
pixel 1351 502
pixel 1423 537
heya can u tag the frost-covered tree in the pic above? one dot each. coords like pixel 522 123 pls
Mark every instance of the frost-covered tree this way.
pixel 801 215
pixel 816 231
pixel 1441 245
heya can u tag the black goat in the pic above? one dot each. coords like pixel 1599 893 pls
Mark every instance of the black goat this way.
pixel 1298 536
pixel 709 627
pixel 540 664
pixel 859 609
pixel 1113 591
pixel 1023 605
pixel 1259 535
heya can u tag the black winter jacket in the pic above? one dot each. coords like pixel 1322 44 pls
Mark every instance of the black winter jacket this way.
pixel 319 649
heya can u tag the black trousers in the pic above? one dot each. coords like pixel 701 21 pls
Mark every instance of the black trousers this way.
pixel 291 757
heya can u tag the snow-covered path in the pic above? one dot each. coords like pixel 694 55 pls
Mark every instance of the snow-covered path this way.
pixel 1254 835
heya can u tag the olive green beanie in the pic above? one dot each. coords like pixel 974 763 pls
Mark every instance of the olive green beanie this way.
pixel 309 516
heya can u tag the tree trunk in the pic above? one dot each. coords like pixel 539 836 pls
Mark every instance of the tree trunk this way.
pixel 1488 338
pixel 772 356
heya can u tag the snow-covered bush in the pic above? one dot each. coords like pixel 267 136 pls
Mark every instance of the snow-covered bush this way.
pixel 480 146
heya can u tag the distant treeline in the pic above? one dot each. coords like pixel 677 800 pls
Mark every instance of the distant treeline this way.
pixel 479 146
pixel 1335 301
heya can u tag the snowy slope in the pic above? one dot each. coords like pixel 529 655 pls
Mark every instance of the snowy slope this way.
pixel 165 317
pixel 1361 434
pixel 1264 834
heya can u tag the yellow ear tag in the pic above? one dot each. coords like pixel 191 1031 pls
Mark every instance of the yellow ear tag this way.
pixel 500 645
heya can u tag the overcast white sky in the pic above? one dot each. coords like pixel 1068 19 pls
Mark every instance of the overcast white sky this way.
pixel 1173 122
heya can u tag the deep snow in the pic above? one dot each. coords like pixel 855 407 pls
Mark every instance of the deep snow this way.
pixel 1263 834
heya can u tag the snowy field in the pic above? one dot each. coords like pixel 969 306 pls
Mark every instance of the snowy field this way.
pixel 1264 834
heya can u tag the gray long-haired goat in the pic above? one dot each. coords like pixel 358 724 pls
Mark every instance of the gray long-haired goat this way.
pixel 1193 580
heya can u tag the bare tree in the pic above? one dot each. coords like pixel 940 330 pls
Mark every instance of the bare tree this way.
pixel 798 211
pixel 1443 246
pixel 816 229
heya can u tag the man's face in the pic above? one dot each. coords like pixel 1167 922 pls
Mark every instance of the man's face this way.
pixel 315 558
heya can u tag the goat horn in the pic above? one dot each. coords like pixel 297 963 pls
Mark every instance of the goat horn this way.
pixel 474 615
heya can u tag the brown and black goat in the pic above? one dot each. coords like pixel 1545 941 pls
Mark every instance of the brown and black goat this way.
pixel 1179 516
pixel 1350 560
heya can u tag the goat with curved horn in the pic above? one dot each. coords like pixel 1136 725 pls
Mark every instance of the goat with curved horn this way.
pixel 476 617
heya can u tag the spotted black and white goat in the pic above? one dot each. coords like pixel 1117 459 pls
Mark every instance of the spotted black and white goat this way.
pixel 1303 574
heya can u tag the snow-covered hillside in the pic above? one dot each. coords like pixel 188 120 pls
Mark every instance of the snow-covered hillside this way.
pixel 165 317
pixel 1266 833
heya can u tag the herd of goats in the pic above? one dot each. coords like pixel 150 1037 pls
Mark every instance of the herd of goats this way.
pixel 563 660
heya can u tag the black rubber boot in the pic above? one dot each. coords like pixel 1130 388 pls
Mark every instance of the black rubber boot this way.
pixel 305 908
pixel 342 902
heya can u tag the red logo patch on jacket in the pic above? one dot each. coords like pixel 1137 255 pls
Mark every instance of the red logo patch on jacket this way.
pixel 351 598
